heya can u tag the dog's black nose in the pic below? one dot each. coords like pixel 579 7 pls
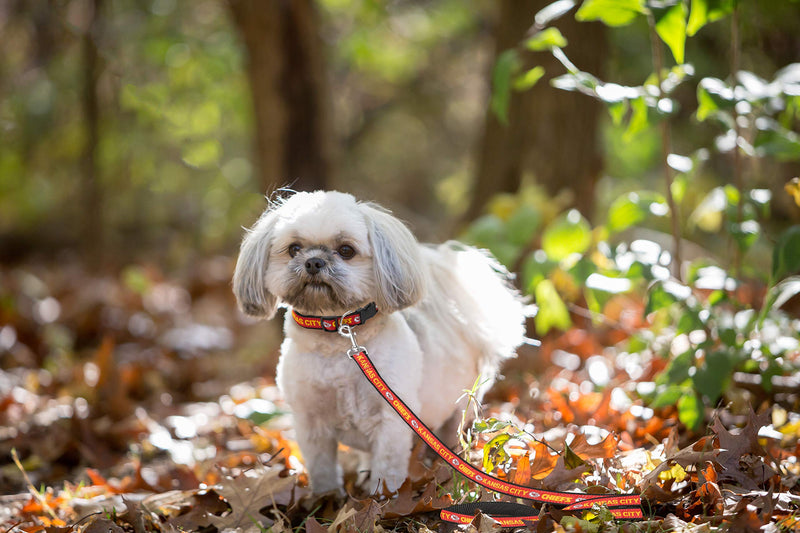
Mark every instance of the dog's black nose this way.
pixel 314 265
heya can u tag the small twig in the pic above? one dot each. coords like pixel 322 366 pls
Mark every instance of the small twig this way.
pixel 592 315
pixel 31 488
pixel 737 161
pixel 666 149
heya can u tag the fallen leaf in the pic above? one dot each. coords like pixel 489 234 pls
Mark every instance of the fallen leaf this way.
pixel 407 502
pixel 604 449
pixel 741 456
pixel 312 526
pixel 344 514
pixel 247 494
pixel 571 459
pixel 522 472
pixel 562 474
pixel 102 525
pixel 543 461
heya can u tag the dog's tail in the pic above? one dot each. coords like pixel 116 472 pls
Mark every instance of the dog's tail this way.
pixel 477 294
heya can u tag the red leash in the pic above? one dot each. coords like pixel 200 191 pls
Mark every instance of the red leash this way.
pixel 622 506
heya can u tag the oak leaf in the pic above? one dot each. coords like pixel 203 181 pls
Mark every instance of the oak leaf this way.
pixel 247 494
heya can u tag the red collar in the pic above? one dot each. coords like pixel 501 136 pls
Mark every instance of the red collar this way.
pixel 332 323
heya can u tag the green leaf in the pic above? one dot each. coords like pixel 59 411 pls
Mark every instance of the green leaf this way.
pixel 677 370
pixel 522 224
pixel 662 294
pixel 671 27
pixel 568 234
pixel 202 154
pixel 634 208
pixel 786 254
pixel 690 411
pixel 507 65
pixel 707 11
pixel 571 459
pixel 669 396
pixel 525 81
pixel 552 311
pixel 611 12
pixel 712 377
pixel 639 121
pixel 486 230
pixel 489 425
pixel 618 110
pixel 536 267
pixel 546 39
pixel 706 106
pixel 745 233
pixel 713 95
pixel 774 140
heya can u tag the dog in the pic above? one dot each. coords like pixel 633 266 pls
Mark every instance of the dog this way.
pixel 433 318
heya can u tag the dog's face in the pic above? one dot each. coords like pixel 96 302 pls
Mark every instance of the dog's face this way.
pixel 324 253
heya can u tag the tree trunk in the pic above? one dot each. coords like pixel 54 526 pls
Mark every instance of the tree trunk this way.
pixel 551 134
pixel 293 142
pixel 92 236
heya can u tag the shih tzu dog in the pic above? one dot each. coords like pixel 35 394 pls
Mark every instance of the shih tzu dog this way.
pixel 433 319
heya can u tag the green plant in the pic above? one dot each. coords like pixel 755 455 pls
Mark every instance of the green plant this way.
pixel 696 317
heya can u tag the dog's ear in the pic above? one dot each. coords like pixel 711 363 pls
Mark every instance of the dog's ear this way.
pixel 396 260
pixel 249 278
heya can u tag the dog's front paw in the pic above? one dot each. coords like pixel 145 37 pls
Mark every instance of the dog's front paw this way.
pixel 393 483
pixel 387 480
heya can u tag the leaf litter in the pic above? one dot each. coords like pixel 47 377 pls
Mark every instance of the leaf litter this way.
pixel 121 409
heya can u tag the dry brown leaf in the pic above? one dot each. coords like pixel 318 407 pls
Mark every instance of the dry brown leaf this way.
pixel 247 494
pixel 102 525
pixel 741 456
pixel 313 526
pixel 543 461
pixel 604 449
pixel 522 473
pixel 561 474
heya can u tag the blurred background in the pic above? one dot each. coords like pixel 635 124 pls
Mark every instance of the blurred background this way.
pixel 139 129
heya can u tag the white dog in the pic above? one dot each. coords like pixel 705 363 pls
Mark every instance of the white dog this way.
pixel 445 315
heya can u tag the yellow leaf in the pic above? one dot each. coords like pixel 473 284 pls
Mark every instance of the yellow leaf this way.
pixel 503 205
pixel 676 472
pixel 494 452
pixel 652 464
pixel 792 188
pixel 792 428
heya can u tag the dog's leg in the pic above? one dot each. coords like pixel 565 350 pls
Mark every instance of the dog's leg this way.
pixel 318 446
pixel 390 453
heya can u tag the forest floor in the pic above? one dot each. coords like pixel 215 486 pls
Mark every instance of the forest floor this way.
pixel 142 402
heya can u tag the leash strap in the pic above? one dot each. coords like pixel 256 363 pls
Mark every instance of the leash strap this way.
pixel 627 507
pixel 333 323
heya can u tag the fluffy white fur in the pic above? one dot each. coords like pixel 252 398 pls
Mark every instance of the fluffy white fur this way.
pixel 446 315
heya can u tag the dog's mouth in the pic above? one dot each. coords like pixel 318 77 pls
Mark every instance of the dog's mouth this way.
pixel 314 296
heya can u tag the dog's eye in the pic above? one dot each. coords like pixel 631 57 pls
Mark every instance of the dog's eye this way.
pixel 346 251
pixel 294 249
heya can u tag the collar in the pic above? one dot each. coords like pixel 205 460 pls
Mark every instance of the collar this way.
pixel 332 323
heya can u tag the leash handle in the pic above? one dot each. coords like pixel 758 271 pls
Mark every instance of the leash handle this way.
pixel 626 507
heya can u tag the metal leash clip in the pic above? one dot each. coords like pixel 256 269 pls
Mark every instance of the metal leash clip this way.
pixel 348 332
